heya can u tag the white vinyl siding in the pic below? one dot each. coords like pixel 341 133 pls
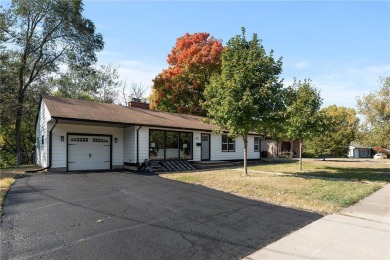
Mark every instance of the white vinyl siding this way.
pixel 143 142
pixel 197 150
pixel 130 145
pixel 238 154
pixel 42 150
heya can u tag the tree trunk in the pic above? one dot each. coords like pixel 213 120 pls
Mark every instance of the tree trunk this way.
pixel 300 155
pixel 18 126
pixel 245 138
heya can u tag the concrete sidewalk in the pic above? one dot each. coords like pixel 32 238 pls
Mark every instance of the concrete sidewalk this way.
pixel 361 231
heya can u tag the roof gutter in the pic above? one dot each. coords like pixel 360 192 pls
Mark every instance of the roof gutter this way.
pixel 50 149
pixel 128 124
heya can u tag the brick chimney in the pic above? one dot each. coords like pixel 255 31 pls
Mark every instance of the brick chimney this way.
pixel 137 103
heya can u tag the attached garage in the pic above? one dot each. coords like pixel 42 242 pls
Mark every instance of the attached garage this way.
pixel 89 152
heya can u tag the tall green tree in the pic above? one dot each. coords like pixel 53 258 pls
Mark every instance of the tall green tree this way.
pixel 303 119
pixel 8 95
pixel 339 126
pixel 247 95
pixel 375 109
pixel 44 34
pixel 99 84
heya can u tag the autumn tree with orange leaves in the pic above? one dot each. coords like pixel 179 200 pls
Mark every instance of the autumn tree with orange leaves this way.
pixel 192 61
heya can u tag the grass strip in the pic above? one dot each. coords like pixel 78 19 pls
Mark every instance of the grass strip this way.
pixel 316 195
pixel 7 178
pixel 376 171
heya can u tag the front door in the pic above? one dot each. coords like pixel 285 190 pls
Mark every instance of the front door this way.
pixel 205 155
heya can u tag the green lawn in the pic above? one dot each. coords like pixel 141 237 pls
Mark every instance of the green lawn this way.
pixel 370 170
pixel 324 196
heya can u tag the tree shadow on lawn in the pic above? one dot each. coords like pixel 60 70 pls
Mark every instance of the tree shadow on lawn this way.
pixel 369 174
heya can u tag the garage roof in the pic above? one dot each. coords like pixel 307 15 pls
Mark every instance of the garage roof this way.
pixel 74 109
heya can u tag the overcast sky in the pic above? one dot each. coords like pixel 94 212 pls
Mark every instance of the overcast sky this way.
pixel 343 46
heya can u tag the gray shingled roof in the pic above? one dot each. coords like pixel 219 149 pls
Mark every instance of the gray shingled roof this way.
pixel 67 108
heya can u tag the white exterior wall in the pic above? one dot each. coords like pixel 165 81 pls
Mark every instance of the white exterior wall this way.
pixel 143 142
pixel 351 151
pixel 197 149
pixel 359 152
pixel 238 154
pixel 130 145
pixel 42 150
pixel 215 146
pixel 59 148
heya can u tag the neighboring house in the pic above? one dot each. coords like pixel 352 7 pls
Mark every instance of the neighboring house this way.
pixel 358 151
pixel 280 149
pixel 83 135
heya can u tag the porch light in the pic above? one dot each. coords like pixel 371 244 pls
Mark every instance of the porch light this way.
pixel 115 140
pixel 62 138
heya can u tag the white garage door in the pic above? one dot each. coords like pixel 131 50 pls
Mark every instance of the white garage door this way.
pixel 89 152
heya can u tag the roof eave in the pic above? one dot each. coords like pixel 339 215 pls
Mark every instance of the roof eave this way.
pixel 129 124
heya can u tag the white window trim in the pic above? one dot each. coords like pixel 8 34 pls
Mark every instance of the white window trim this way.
pixel 227 144
pixel 258 144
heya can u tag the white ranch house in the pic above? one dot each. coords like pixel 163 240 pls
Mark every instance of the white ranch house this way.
pixel 77 135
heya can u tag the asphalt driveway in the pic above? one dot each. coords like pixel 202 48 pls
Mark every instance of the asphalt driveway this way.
pixel 117 215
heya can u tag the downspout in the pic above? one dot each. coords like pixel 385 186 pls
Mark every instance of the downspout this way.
pixel 50 149
pixel 138 145
pixel 51 143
